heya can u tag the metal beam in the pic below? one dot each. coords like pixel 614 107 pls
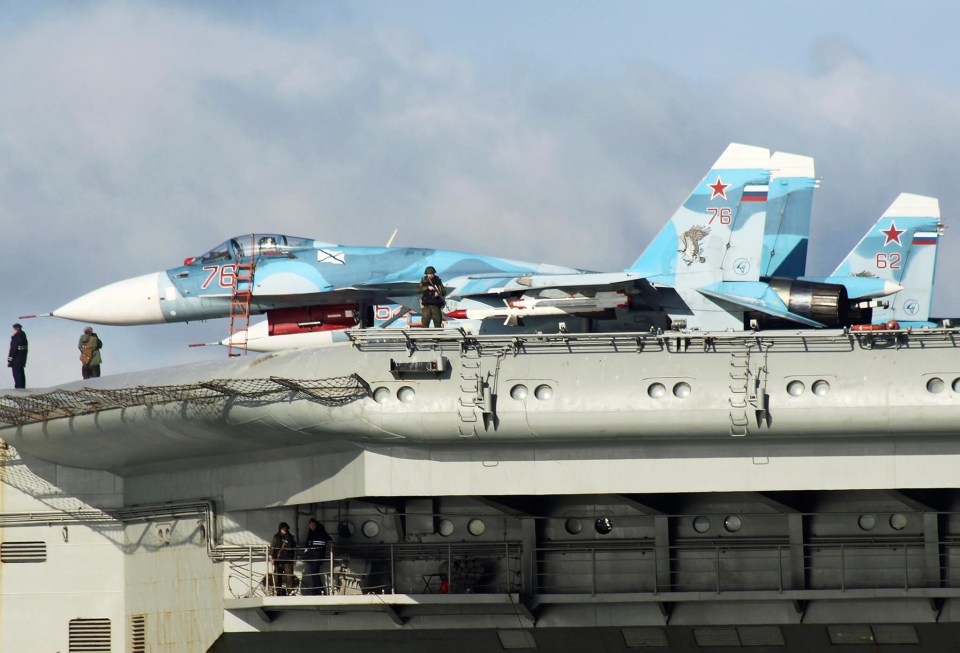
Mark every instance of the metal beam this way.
pixel 635 501
pixel 505 506
pixel 797 579
pixel 390 612
pixel 663 553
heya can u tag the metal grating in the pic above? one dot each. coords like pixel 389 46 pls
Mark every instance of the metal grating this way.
pixel 850 634
pixel 760 636
pixel 645 638
pixel 89 636
pixel 716 636
pixel 12 552
pixel 895 634
pixel 138 633
pixel 17 410
pixel 516 639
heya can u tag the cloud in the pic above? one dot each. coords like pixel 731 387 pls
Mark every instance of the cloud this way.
pixel 134 136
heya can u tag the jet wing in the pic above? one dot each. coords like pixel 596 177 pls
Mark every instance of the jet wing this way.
pixel 754 296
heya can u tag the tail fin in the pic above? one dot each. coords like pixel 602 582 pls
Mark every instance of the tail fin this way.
pixel 911 306
pixel 789 204
pixel 883 252
pixel 718 231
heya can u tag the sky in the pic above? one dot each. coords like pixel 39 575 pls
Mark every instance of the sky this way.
pixel 135 134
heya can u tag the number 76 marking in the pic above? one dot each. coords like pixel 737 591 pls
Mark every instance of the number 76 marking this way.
pixel 722 214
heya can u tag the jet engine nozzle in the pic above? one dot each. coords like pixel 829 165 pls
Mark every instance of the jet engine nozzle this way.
pixel 826 303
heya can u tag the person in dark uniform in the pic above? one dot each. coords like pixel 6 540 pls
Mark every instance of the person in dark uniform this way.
pixel 317 542
pixel 432 301
pixel 282 551
pixel 90 359
pixel 17 358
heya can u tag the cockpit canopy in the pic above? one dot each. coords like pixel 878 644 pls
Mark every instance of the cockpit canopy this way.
pixel 250 245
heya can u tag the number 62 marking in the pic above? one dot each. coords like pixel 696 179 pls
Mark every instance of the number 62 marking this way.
pixel 891 261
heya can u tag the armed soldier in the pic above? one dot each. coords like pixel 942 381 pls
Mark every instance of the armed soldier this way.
pixel 432 301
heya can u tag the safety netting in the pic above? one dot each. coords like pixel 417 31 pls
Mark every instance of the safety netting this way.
pixel 20 409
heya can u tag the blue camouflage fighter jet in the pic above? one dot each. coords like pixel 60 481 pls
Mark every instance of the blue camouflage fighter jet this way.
pixel 733 252
pixel 288 272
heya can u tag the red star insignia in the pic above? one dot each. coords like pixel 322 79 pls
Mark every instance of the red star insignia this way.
pixel 893 235
pixel 719 188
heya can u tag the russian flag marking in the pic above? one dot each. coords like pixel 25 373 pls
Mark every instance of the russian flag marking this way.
pixel 754 194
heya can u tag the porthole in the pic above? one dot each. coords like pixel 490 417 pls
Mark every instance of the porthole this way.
pixel 603 526
pixel 476 527
pixel 956 384
pixel 370 528
pixel 866 522
pixel 701 524
pixel 656 390
pixel 935 385
pixel 573 525
pixel 733 523
pixel 381 395
pixel 406 394
pixel 445 527
pixel 898 521
pixel 795 388
pixel 681 390
pixel 543 392
pixel 820 387
pixel 519 392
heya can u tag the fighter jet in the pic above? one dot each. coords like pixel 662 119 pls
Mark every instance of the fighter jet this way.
pixel 703 271
pixel 697 276
pixel 296 279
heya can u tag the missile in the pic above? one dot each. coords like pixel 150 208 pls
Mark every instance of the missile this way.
pixel 514 309
pixel 257 338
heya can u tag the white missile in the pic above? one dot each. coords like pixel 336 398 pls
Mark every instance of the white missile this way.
pixel 514 309
pixel 258 338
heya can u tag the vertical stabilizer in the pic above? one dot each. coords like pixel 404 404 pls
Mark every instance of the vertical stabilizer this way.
pixel 912 305
pixel 789 204
pixel 716 236
pixel 884 251
pixel 718 231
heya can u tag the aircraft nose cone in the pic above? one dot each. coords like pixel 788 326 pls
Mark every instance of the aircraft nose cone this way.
pixel 127 302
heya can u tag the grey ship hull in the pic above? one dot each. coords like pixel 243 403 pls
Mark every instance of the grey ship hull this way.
pixel 712 394
pixel 732 509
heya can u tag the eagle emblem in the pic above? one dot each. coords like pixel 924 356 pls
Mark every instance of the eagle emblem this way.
pixel 690 244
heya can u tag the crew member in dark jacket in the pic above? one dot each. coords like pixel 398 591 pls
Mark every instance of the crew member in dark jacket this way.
pixel 317 541
pixel 282 551
pixel 17 358
pixel 90 359
pixel 432 301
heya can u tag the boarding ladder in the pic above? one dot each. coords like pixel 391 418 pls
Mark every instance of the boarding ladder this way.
pixel 241 294
pixel 748 388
